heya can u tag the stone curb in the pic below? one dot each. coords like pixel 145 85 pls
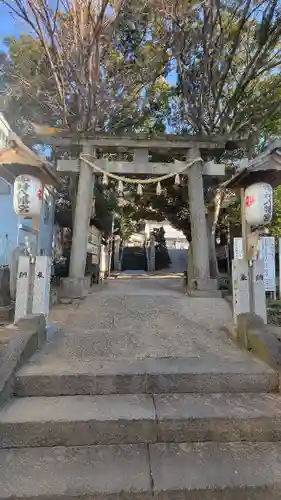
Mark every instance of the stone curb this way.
pixel 253 335
pixel 17 345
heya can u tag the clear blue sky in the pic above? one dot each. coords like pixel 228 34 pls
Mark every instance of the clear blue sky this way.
pixel 8 25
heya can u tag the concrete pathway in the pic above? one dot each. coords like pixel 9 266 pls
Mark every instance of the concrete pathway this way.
pixel 141 396
pixel 141 318
pixel 178 258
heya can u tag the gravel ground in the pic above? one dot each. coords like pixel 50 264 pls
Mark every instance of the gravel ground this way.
pixel 139 318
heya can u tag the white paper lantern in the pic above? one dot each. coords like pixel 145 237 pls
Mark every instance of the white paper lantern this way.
pixel 258 204
pixel 28 196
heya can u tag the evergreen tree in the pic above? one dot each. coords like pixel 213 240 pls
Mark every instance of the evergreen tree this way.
pixel 162 258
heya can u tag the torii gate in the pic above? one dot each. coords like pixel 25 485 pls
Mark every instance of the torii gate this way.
pixel 192 148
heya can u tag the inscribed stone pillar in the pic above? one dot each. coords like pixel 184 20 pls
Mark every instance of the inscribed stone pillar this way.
pixel 258 290
pixel 200 253
pixel 81 219
pixel 41 288
pixel 23 288
pixel 240 288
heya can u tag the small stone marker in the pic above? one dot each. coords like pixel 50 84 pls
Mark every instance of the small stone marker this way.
pixel 240 286
pixel 23 288
pixel 41 289
pixel 259 299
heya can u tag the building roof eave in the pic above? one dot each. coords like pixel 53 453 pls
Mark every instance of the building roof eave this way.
pixel 17 159
pixel 264 168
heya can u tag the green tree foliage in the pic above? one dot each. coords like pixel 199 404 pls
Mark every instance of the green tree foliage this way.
pixel 275 226
pixel 131 214
pixel 171 205
pixel 27 78
pixel 162 258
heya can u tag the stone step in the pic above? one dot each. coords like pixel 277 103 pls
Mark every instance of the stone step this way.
pixel 209 471
pixel 77 420
pixel 121 419
pixel 216 471
pixel 206 374
pixel 218 417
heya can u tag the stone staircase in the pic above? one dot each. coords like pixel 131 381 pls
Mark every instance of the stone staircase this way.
pixel 165 429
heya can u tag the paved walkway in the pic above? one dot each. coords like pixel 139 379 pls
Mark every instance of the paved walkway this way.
pixel 178 259
pixel 91 419
pixel 136 318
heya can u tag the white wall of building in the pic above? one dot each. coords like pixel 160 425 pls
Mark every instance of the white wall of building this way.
pixel 10 234
pixel 8 223
pixel 174 238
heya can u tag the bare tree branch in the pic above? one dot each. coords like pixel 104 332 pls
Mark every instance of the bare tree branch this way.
pixel 90 80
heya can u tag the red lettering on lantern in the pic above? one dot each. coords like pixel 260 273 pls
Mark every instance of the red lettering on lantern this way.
pixel 40 194
pixel 250 200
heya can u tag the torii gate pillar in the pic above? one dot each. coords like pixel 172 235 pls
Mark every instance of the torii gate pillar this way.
pixel 77 285
pixel 201 281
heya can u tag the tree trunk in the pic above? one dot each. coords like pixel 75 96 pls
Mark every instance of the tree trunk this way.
pixel 190 271
pixel 214 270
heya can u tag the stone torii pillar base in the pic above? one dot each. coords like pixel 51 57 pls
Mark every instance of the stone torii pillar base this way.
pixel 204 288
pixel 75 288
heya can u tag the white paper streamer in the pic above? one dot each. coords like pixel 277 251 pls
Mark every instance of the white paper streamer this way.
pixel 105 180
pixel 177 180
pixel 158 189
pixel 120 187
